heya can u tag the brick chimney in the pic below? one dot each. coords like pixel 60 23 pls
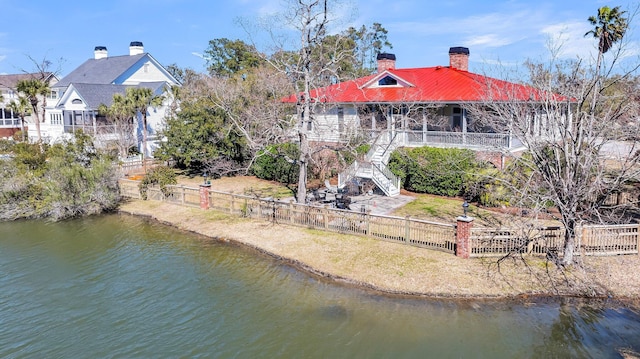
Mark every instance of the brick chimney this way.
pixel 386 62
pixel 136 48
pixel 459 58
pixel 100 52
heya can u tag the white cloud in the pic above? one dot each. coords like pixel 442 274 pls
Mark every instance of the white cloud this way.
pixel 569 40
pixel 197 54
pixel 488 40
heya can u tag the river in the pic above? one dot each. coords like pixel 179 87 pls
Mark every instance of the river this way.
pixel 119 286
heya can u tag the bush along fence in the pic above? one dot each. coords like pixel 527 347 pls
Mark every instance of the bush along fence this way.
pixel 461 238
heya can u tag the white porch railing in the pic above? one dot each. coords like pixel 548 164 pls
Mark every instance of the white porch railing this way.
pixel 473 140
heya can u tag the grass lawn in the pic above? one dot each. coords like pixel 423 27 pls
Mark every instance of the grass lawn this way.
pixel 445 209
pixel 425 206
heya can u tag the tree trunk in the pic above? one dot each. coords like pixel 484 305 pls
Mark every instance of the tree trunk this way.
pixel 36 120
pixel 301 195
pixel 569 244
pixel 596 85
pixel 144 137
pixel 22 127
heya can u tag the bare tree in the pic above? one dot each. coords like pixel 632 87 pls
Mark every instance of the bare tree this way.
pixel 578 150
pixel 251 102
pixel 312 65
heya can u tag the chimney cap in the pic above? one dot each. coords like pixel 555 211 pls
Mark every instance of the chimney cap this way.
pixel 459 50
pixel 136 43
pixel 385 56
pixel 100 48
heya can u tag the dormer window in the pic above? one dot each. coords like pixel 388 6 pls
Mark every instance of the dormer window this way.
pixel 76 101
pixel 388 81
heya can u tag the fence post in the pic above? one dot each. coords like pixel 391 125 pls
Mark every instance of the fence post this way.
pixel 325 217
pixel 232 205
pixel 367 219
pixel 463 236
pixel 291 219
pixel 407 228
pixel 204 196
pixel 638 239
pixel 182 200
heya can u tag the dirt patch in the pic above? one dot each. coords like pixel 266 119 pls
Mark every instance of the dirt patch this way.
pixel 247 185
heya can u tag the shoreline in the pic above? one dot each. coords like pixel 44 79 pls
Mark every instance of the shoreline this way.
pixel 400 270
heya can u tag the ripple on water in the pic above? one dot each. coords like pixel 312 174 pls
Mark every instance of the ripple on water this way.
pixel 119 287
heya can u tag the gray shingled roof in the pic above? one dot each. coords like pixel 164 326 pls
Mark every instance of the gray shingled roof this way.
pixel 10 81
pixel 96 94
pixel 100 71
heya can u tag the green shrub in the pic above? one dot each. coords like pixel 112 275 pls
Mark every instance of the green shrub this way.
pixel 486 187
pixel 439 171
pixel 278 163
pixel 65 180
pixel 161 176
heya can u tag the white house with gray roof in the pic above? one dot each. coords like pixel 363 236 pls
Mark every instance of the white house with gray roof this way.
pixel 10 121
pixel 93 83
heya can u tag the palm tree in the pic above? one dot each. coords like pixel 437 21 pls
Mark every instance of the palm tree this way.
pixel 120 114
pixel 33 89
pixel 610 27
pixel 140 99
pixel 22 109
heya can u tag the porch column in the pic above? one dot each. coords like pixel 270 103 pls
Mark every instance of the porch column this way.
pixel 464 126
pixel 390 125
pixel 93 121
pixel 405 127
pixel 424 126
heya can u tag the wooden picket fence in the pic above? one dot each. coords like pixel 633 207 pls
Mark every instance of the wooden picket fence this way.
pixel 483 242
pixel 414 232
pixel 596 240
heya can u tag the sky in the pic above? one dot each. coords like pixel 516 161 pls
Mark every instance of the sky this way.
pixel 178 31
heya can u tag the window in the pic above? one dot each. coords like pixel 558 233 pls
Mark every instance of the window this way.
pixel 388 81
pixel 340 119
pixel 456 117
pixel 76 101
pixel 56 118
pixel 52 95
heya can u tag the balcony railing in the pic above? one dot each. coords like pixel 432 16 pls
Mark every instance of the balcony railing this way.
pixel 95 130
pixel 450 139
pixel 9 122
pixel 454 139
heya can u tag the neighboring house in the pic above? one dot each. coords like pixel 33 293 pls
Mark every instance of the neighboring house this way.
pixel 411 107
pixel 95 82
pixel 10 122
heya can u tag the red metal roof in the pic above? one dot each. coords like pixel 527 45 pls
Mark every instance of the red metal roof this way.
pixel 438 84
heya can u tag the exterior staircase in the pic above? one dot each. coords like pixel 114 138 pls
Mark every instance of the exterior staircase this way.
pixel 374 166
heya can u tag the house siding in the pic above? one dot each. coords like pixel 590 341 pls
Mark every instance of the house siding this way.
pixel 147 72
pixel 331 126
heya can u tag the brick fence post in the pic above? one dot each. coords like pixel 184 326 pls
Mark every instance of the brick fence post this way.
pixel 204 196
pixel 463 236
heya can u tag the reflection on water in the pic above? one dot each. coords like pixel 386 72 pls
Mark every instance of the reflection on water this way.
pixel 120 286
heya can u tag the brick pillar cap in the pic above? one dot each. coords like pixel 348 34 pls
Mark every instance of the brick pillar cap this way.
pixel 465 219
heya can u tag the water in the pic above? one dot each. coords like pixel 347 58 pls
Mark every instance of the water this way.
pixel 122 287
